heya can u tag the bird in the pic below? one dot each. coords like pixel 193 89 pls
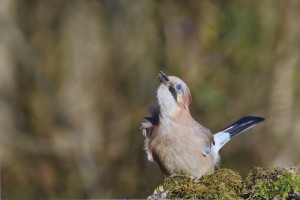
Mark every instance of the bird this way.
pixel 176 141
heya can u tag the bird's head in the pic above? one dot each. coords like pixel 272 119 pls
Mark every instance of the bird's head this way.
pixel 172 94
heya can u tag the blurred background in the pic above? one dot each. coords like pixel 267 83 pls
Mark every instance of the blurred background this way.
pixel 77 77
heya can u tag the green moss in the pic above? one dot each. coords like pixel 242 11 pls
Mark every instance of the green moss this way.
pixel 261 183
pixel 271 182
pixel 222 184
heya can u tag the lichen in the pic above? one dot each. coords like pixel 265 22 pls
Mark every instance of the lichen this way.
pixel 261 183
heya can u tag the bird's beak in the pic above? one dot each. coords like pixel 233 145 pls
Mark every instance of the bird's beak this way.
pixel 163 77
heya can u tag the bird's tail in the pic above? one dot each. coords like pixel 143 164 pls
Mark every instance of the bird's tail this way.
pixel 243 124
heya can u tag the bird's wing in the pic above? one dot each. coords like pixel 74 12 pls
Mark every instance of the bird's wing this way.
pixel 146 128
pixel 204 133
pixel 149 122
pixel 206 136
pixel 154 118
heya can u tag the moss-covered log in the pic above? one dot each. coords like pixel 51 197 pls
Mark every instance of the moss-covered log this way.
pixel 260 183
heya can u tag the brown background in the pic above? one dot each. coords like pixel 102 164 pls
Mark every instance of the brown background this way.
pixel 77 77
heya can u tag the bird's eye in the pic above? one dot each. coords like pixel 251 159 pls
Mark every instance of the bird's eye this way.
pixel 178 87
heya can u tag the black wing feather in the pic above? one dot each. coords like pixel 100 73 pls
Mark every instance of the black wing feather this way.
pixel 155 112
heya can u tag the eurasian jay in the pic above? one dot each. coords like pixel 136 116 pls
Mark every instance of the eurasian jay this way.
pixel 175 140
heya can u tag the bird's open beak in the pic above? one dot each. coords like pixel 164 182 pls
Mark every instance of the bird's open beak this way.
pixel 163 77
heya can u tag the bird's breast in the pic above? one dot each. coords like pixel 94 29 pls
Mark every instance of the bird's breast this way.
pixel 179 150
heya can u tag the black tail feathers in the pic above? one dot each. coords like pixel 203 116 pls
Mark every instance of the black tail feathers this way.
pixel 242 125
